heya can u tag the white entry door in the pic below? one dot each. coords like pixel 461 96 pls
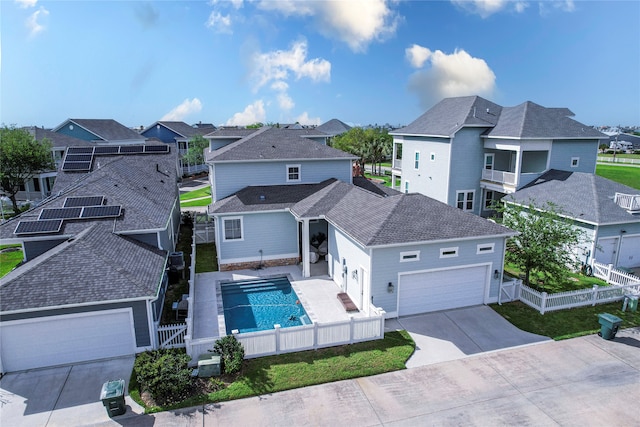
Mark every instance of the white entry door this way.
pixel 606 250
pixel 629 252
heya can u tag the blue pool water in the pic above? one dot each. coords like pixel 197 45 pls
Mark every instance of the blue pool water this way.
pixel 256 305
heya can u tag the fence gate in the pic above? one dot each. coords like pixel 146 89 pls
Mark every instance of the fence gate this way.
pixel 172 336
pixel 203 229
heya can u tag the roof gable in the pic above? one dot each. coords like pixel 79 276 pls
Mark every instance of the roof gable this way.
pixel 104 129
pixel 334 127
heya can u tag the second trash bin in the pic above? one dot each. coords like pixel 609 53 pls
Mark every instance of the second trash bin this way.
pixel 609 325
pixel 112 396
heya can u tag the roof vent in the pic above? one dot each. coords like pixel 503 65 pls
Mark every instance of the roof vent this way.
pixel 262 198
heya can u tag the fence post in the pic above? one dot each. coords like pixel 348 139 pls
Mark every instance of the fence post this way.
pixel 351 329
pixel 595 295
pixel 516 293
pixel 277 337
pixel 315 335
pixel 609 271
pixel 543 302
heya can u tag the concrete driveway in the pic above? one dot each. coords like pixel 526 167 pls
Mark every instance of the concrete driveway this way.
pixel 63 396
pixel 454 334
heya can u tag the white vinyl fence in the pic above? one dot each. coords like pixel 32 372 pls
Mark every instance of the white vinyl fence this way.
pixel 622 284
pixel 171 336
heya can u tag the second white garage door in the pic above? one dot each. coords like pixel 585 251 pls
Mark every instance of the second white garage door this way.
pixel 57 340
pixel 441 290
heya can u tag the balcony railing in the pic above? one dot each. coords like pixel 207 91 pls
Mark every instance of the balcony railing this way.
pixel 630 202
pixel 397 164
pixel 499 176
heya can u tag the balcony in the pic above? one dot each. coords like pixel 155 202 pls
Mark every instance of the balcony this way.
pixel 500 177
pixel 630 202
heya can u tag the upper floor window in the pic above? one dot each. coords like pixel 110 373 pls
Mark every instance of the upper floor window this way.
pixel 575 161
pixel 464 200
pixel 406 186
pixel 485 248
pixel 416 162
pixel 488 199
pixel 488 161
pixel 293 173
pixel 232 228
pixel 433 157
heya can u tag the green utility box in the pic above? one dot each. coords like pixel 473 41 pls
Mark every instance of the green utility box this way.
pixel 631 302
pixel 208 365
pixel 610 325
pixel 112 397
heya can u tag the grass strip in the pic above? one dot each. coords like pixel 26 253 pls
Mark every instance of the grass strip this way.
pixel 627 175
pixel 196 194
pixel 10 259
pixel 199 202
pixel 206 258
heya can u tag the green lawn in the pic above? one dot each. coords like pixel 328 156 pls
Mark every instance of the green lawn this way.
pixel 196 194
pixel 206 258
pixel 200 202
pixel 621 155
pixel 627 175
pixel 385 178
pixel 564 324
pixel 9 259
pixel 573 281
pixel 271 374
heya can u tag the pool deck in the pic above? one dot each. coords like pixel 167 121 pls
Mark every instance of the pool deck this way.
pixel 317 294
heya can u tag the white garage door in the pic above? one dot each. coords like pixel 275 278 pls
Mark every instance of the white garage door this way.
pixel 57 340
pixel 606 250
pixel 629 252
pixel 442 290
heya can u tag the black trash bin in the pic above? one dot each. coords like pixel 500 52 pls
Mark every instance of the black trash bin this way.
pixel 112 396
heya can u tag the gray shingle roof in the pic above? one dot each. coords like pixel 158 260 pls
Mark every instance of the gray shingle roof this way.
pixel 95 266
pixel 185 130
pixel 530 120
pixel 233 132
pixel 277 144
pixel 374 220
pixel 59 139
pixel 450 114
pixel 105 129
pixel 333 127
pixel 583 196
pixel 374 187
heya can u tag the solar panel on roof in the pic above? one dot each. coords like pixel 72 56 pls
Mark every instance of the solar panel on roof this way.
pixel 71 202
pixel 59 213
pixel 78 158
pixel 80 150
pixel 34 227
pixel 76 166
pixel 127 149
pixel 106 149
pixel 156 148
pixel 110 211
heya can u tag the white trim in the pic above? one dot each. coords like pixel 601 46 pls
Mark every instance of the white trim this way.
pixel 577 162
pixel 493 161
pixel 465 200
pixel 409 256
pixel 291 166
pixel 224 234
pixel 444 254
pixel 485 248
pixel 406 186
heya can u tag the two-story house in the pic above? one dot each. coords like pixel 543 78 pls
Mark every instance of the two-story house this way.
pixel 280 198
pixel 100 131
pixel 93 279
pixel 469 152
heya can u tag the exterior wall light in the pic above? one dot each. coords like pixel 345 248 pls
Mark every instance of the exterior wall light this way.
pixel 390 288
pixel 496 274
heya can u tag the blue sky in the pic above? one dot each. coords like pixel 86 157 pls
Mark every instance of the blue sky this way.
pixel 371 61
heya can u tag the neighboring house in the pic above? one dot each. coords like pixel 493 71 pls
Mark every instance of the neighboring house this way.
pixel 179 135
pixel 40 186
pixel 333 128
pixel 100 131
pixel 469 152
pixel 95 257
pixel 277 195
pixel 607 212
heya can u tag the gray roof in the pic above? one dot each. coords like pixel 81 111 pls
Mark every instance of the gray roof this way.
pixel 449 115
pixel 277 144
pixel 530 120
pixel 374 187
pixel 105 129
pixel 583 196
pixel 58 139
pixel 334 127
pixel 231 132
pixel 527 120
pixel 183 129
pixel 95 266
pixel 371 219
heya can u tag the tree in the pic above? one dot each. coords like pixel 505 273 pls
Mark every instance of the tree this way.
pixel 370 145
pixel 21 158
pixel 546 240
pixel 353 141
pixel 379 147
pixel 195 153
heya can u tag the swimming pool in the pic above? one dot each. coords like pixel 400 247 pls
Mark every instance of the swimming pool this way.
pixel 257 305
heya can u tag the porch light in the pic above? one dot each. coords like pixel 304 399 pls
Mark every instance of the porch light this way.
pixel 390 288
pixel 496 274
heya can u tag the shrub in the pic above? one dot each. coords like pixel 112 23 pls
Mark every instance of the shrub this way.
pixel 231 353
pixel 164 373
pixel 216 384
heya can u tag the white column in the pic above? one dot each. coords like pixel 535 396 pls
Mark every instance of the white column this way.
pixel 306 265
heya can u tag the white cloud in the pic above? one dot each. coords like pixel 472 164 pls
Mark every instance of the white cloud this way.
pixel 278 65
pixel 354 22
pixel 547 7
pixel 26 3
pixel 237 4
pixel 456 74
pixel 219 23
pixel 188 107
pixel 33 21
pixel 486 8
pixel 253 113
pixel 279 86
pixel 417 55
pixel 304 119
pixel 285 102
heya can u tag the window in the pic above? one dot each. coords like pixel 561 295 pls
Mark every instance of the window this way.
pixel 488 199
pixel 448 252
pixel 488 161
pixel 36 184
pixel 232 229
pixel 575 161
pixel 409 256
pixel 485 248
pixel 464 200
pixel 416 163
pixel 406 186
pixel 433 157
pixel 293 173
